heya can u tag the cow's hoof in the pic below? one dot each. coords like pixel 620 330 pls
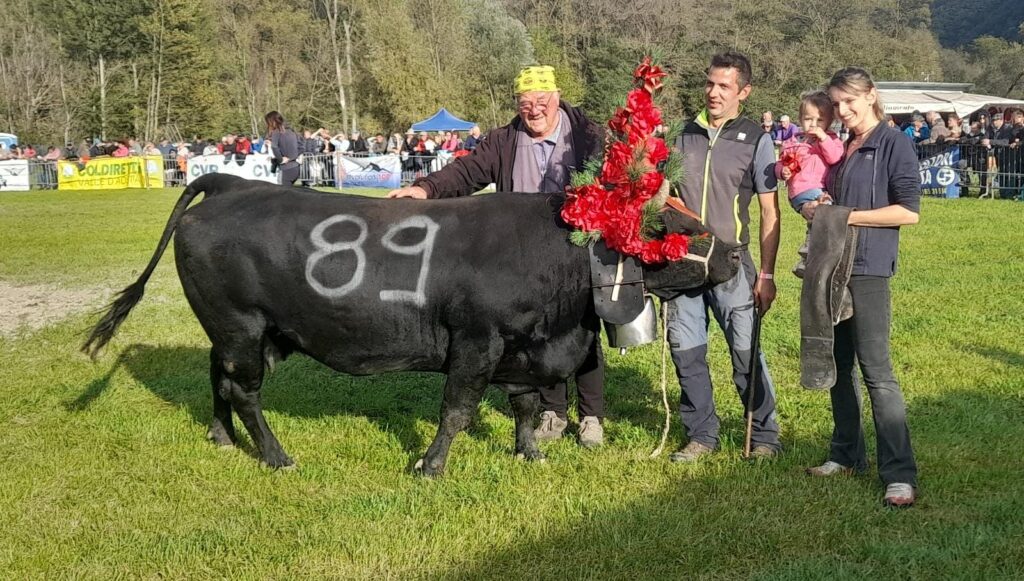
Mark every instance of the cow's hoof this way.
pixel 220 438
pixel 281 463
pixel 534 456
pixel 285 467
pixel 422 469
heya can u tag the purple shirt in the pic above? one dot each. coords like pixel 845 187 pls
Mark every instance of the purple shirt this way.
pixel 782 134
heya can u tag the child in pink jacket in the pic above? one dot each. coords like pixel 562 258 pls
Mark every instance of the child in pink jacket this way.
pixel 805 159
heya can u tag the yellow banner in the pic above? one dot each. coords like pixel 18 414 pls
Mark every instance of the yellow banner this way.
pixel 111 173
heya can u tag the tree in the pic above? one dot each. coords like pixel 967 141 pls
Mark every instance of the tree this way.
pixel 103 31
pixel 503 49
pixel 998 65
pixel 29 76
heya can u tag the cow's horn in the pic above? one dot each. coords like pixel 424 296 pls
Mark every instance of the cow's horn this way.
pixel 663 192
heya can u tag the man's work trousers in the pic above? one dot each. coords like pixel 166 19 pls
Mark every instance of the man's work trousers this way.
pixel 732 304
pixel 589 388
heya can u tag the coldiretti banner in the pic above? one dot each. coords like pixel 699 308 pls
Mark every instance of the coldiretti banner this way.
pixel 108 173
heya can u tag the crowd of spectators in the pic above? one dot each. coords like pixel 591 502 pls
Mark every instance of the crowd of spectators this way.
pixel 238 145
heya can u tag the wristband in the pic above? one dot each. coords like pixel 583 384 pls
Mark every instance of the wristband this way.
pixel 765 276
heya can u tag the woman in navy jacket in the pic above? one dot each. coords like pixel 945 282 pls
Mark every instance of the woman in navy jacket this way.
pixel 879 178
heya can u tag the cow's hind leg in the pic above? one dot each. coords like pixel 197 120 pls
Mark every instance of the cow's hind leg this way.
pixel 243 370
pixel 470 368
pixel 222 430
pixel 524 407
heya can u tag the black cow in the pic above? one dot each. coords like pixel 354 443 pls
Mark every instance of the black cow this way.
pixel 486 289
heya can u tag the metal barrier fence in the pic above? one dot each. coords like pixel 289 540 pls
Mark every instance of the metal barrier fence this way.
pixel 982 171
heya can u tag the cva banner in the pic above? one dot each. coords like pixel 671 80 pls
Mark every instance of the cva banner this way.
pixel 382 171
pixel 14 175
pixel 252 167
pixel 111 173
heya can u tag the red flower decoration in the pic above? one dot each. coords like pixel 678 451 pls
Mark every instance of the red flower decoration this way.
pixel 675 246
pixel 619 123
pixel 616 161
pixel 649 76
pixel 613 204
pixel 657 151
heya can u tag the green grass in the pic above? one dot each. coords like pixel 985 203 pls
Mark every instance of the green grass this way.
pixel 107 473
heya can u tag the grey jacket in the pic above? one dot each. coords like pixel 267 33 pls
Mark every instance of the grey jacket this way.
pixel 719 174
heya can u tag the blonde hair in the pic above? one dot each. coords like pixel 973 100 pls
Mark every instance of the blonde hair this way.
pixel 819 99
pixel 857 81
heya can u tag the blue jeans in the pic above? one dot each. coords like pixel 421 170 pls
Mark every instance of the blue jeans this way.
pixel 732 303
pixel 802 198
pixel 865 338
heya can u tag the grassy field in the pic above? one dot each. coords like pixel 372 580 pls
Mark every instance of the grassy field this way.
pixel 106 472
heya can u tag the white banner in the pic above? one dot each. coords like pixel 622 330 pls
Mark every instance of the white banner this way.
pixel 255 167
pixel 379 171
pixel 14 175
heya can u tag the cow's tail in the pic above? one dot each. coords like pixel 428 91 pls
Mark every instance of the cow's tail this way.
pixel 118 310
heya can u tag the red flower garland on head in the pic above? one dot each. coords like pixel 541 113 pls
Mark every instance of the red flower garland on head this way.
pixel 613 204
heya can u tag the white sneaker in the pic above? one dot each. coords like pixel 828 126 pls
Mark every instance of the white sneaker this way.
pixel 899 495
pixel 591 432
pixel 551 427
pixel 830 468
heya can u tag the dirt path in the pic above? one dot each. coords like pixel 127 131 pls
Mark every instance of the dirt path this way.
pixel 35 306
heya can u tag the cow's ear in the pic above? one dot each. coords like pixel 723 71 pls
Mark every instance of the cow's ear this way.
pixel 679 222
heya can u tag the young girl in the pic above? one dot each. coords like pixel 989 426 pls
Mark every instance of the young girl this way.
pixel 805 159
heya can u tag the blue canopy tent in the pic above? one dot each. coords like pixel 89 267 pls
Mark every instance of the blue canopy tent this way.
pixel 443 121
pixel 10 140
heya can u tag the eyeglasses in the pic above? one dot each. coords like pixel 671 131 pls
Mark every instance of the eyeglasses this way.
pixel 526 105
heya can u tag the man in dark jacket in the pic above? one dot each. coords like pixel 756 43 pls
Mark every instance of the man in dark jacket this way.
pixel 1002 137
pixel 1016 155
pixel 536 152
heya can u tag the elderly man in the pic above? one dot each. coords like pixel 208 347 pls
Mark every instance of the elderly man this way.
pixel 785 130
pixel 473 140
pixel 937 130
pixel 536 152
pixel 918 130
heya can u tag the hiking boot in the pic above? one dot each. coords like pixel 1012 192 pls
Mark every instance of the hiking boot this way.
pixel 691 452
pixel 551 427
pixel 800 268
pixel 899 495
pixel 801 264
pixel 830 468
pixel 763 452
pixel 591 434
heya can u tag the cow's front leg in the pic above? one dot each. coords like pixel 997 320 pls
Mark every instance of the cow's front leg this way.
pixel 524 407
pixel 461 400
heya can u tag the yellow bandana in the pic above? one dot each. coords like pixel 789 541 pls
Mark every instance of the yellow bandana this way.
pixel 540 78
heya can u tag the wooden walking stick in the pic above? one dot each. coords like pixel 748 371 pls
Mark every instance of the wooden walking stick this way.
pixel 752 379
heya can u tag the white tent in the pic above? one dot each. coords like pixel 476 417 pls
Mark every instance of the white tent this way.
pixel 905 98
